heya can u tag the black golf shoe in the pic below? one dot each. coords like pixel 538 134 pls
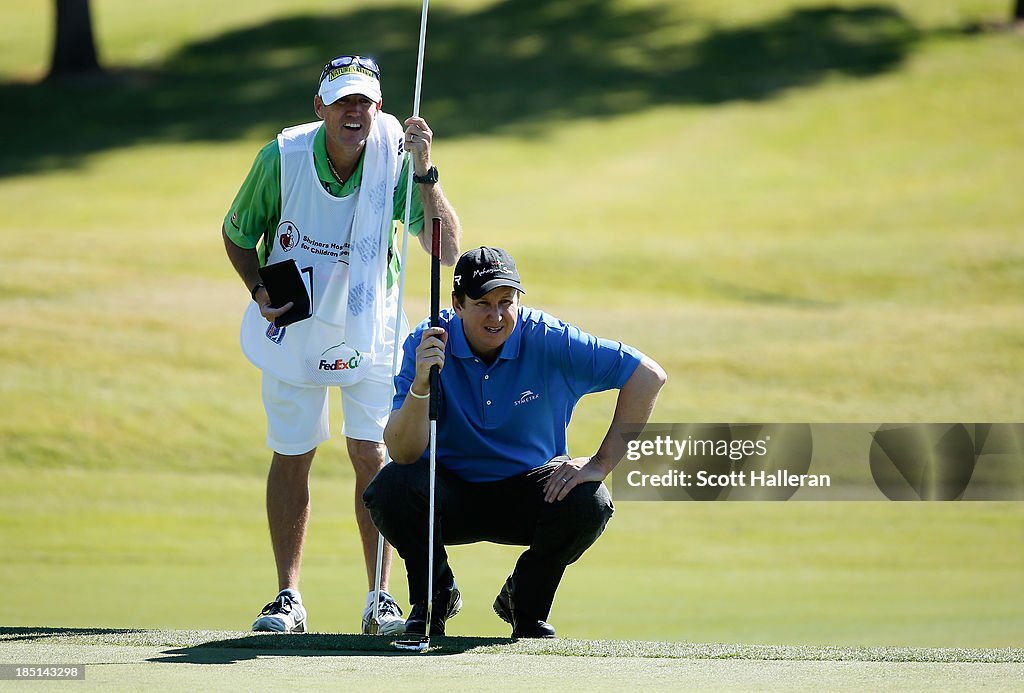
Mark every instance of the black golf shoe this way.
pixel 446 605
pixel 521 627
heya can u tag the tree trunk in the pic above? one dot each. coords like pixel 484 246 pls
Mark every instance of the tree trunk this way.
pixel 74 51
pixel 1018 11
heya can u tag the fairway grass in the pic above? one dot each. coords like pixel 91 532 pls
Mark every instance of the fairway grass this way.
pixel 127 549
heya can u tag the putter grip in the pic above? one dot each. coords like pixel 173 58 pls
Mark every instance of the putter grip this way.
pixel 435 305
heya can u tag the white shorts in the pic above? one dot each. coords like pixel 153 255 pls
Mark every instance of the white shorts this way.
pixel 298 418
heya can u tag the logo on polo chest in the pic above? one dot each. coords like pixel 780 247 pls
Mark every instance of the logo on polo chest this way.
pixel 526 397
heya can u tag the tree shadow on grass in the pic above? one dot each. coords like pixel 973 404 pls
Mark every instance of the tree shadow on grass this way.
pixel 313 645
pixel 515 66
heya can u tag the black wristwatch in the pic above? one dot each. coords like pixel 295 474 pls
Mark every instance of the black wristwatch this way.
pixel 429 178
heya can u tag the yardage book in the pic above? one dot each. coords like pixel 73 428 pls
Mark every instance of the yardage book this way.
pixel 284 283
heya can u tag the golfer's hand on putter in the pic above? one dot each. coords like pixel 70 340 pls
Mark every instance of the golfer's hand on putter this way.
pixel 429 353
pixel 570 474
pixel 262 299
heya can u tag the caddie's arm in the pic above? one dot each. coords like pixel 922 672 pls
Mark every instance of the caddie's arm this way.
pixel 247 263
pixel 407 434
pixel 418 138
pixel 633 408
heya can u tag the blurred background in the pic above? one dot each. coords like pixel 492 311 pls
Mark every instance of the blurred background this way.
pixel 805 211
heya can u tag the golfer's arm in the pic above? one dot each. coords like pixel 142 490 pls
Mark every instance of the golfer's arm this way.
pixel 245 261
pixel 408 431
pixel 632 409
pixel 435 204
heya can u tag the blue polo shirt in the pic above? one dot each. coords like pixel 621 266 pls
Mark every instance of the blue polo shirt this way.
pixel 496 421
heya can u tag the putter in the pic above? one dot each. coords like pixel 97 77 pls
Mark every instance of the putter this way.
pixel 422 642
pixel 374 627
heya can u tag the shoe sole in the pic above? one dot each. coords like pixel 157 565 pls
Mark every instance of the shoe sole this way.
pixel 396 627
pixel 502 609
pixel 534 637
pixel 457 606
pixel 268 626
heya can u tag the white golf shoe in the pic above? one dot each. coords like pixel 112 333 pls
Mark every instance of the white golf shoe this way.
pixel 283 615
pixel 389 613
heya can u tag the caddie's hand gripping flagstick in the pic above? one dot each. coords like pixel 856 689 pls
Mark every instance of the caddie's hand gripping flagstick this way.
pixel 419 644
pixel 375 621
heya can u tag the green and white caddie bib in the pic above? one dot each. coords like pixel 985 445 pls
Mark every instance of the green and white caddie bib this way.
pixel 314 231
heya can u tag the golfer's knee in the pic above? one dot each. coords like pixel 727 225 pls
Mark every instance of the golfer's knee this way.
pixel 591 507
pixel 392 489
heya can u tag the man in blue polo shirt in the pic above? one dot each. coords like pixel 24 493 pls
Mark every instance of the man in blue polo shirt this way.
pixel 510 379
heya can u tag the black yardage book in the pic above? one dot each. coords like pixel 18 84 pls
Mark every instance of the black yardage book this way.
pixel 284 283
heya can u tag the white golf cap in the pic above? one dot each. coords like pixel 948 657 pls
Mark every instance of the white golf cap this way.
pixel 350 74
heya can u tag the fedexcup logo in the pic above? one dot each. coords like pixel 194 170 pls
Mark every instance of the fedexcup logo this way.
pixel 339 364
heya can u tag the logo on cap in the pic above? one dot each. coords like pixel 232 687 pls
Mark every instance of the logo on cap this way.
pixel 499 268
pixel 349 70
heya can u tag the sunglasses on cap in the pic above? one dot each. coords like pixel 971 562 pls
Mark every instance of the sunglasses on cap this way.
pixel 346 60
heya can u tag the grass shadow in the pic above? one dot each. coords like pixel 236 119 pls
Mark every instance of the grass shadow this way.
pixel 231 650
pixel 751 294
pixel 25 634
pixel 514 66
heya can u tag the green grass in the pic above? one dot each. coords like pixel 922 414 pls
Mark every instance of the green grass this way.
pixel 199 643
pixel 157 660
pixel 226 660
pixel 90 549
pixel 804 212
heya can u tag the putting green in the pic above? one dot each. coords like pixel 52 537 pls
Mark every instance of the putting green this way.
pixel 152 660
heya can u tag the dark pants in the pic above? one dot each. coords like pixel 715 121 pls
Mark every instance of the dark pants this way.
pixel 510 511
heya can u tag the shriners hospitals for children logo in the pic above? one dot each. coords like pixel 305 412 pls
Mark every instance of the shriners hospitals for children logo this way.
pixel 287 235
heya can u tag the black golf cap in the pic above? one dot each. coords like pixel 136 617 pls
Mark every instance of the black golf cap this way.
pixel 484 269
